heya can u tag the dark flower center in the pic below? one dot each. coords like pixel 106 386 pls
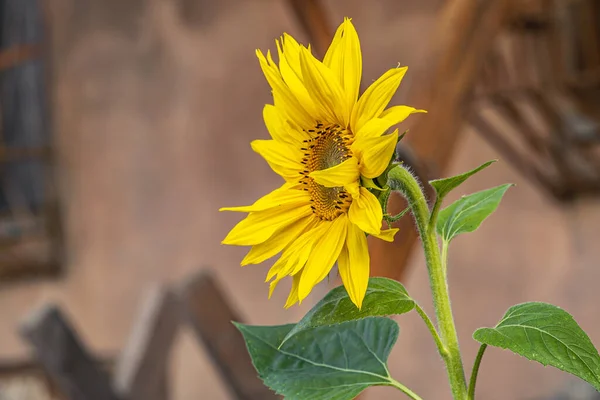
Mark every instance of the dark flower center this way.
pixel 328 147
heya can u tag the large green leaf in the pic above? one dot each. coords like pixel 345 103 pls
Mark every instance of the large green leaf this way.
pixel 444 186
pixel 547 334
pixel 468 212
pixel 384 297
pixel 326 363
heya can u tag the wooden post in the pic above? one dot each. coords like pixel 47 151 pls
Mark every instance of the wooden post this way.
pixel 64 357
pixel 210 315
pixel 141 371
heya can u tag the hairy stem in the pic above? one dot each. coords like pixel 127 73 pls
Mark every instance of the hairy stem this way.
pixel 402 180
pixel 438 341
pixel 404 389
pixel 444 256
pixel 475 371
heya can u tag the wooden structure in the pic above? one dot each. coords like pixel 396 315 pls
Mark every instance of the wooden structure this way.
pixel 538 99
pixel 140 372
pixel 30 233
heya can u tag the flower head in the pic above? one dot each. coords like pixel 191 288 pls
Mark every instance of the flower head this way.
pixel 325 142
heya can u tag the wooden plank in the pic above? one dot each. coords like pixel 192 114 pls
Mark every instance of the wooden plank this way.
pixel 141 371
pixel 210 315
pixel 64 356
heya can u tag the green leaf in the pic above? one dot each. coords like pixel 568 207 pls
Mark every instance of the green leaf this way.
pixel 547 334
pixel 446 185
pixel 468 212
pixel 384 297
pixel 325 363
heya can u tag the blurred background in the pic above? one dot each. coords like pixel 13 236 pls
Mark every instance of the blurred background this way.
pixel 125 125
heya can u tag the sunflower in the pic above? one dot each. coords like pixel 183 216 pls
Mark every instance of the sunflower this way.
pixel 326 144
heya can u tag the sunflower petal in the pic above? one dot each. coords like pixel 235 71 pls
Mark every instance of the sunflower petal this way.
pixel 295 256
pixel 260 226
pixel 280 129
pixel 273 284
pixel 390 117
pixel 375 153
pixel 277 198
pixel 376 98
pixel 293 296
pixel 324 89
pixel 323 256
pixel 291 50
pixel 342 174
pixel 353 265
pixel 344 59
pixel 282 94
pixel 289 66
pixel 276 243
pixel 282 158
pixel 387 234
pixel 365 211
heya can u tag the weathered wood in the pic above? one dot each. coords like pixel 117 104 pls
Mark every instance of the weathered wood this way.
pixel 313 19
pixel 141 372
pixel 210 315
pixel 64 357
pixel 491 134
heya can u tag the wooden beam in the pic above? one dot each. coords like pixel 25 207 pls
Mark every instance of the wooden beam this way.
pixel 210 315
pixel 141 372
pixel 64 357
pixel 312 17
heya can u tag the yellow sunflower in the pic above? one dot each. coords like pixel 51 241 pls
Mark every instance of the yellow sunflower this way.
pixel 326 141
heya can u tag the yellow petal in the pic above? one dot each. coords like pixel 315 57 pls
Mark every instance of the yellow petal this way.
pixel 277 198
pixel 323 256
pixel 376 98
pixel 291 51
pixel 295 256
pixel 282 94
pixel 324 89
pixel 390 117
pixel 342 174
pixel 284 159
pixel 280 129
pixel 344 59
pixel 375 153
pixel 353 189
pixel 276 243
pixel 279 265
pixel 260 226
pixel 289 66
pixel 353 265
pixel 387 234
pixel 293 296
pixel 365 211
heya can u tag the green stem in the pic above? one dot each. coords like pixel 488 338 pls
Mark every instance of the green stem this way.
pixel 444 256
pixel 434 214
pixel 438 341
pixel 402 180
pixel 475 371
pixel 404 389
